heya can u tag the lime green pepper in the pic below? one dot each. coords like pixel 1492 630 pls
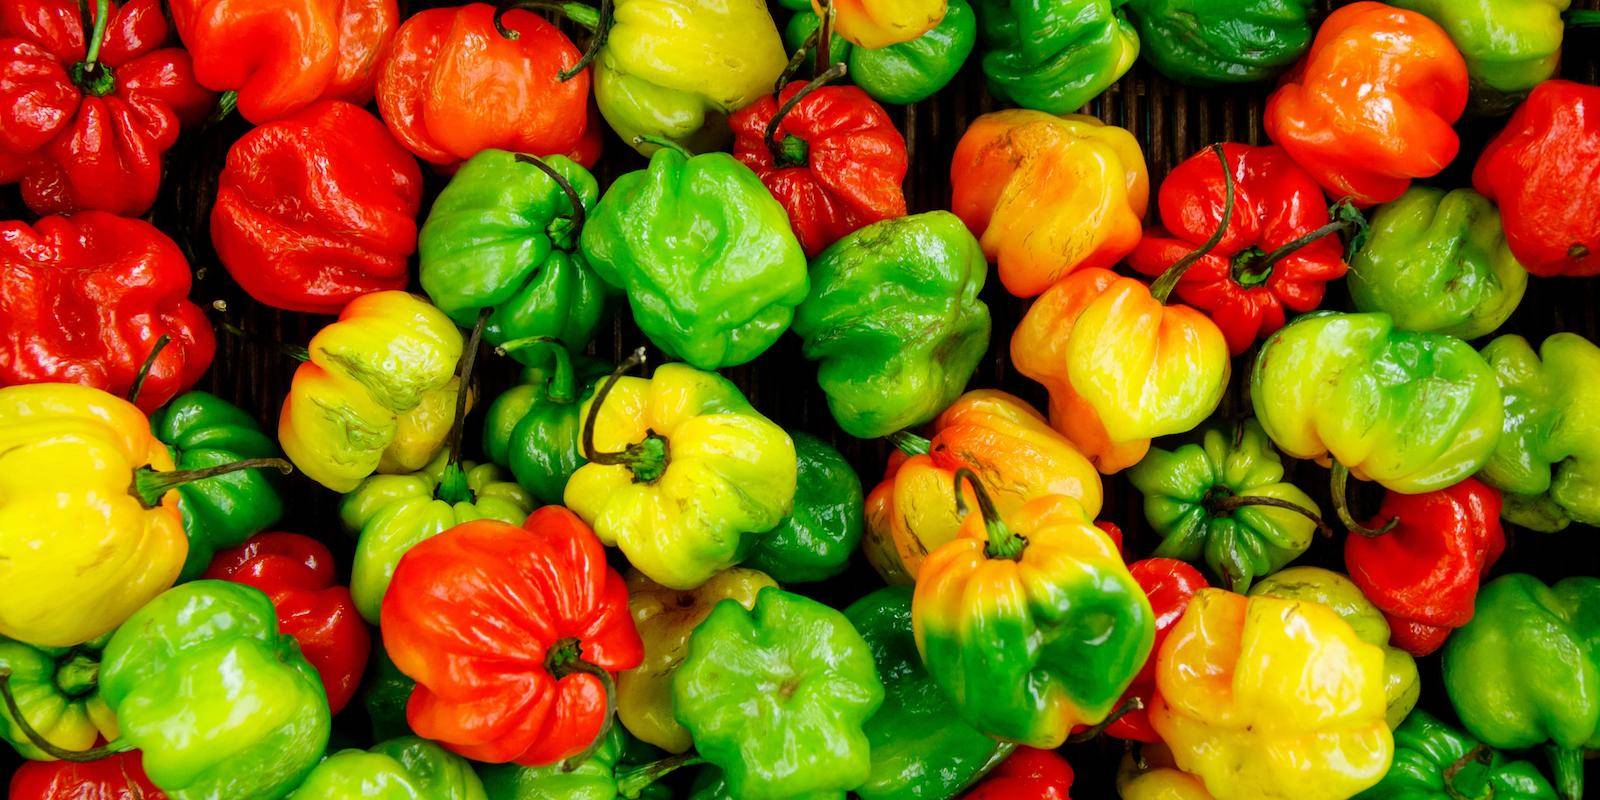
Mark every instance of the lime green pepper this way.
pixel 816 540
pixel 532 428
pixel 908 72
pixel 1056 56
pixel 55 689
pixel 1510 46
pixel 407 768
pixel 1213 42
pixel 1433 761
pixel 621 768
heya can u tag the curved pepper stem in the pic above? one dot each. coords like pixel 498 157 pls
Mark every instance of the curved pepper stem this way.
pixel 792 151
pixel 648 458
pixel 45 745
pixel 1252 268
pixel 910 443
pixel 632 782
pixel 1003 542
pixel 1481 754
pixel 144 369
pixel 824 38
pixel 150 485
pixel 90 75
pixel 295 352
pixel 1123 709
pixel 1338 478
pixel 563 384
pixel 1163 285
pixel 1220 506
pixel 1566 763
pixel 453 483
pixel 662 141
pixel 565 185
pixel 599 25
pixel 565 657
pixel 1577 18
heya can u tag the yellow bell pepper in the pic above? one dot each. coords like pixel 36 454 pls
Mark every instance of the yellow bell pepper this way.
pixel 1149 773
pixel 874 24
pixel 665 618
pixel 1266 699
pixel 378 393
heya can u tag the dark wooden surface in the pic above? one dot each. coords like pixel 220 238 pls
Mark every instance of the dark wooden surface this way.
pixel 1170 121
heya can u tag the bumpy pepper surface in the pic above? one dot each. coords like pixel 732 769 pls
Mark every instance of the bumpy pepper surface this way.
pixel 534 428
pixel 619 769
pixel 1510 46
pixel 115 777
pixel 1055 57
pixel 1168 584
pixel 407 768
pixel 55 687
pixel 908 72
pixel 1029 772
pixel 1212 42
pixel 895 320
pixel 881 23
pixel 1433 761
pixel 818 537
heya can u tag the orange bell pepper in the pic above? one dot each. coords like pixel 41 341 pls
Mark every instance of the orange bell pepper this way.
pixel 1047 195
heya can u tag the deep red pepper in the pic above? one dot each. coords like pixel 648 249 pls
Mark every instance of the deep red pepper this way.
pixel 835 160
pixel 1113 530
pixel 115 777
pixel 317 209
pixel 86 298
pixel 1276 202
pixel 1169 584
pixel 1028 774
pixel 1424 573
pixel 1542 170
pixel 90 137
pixel 296 572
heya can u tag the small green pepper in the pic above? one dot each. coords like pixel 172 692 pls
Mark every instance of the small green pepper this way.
pixel 55 689
pixel 1433 761
pixel 621 768
pixel 533 428
pixel 908 72
pixel 1510 46
pixel 816 540
pixel 1213 42
pixel 1056 56
pixel 407 768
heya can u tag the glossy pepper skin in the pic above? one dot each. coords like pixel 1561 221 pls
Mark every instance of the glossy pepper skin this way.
pixel 1433 761
pixel 818 537
pixel 1055 57
pixel 1275 203
pixel 178 671
pixel 1548 458
pixel 281 57
pixel 1149 773
pixel 55 689
pixel 880 23
pixel 78 550
pixel 1241 702
pixel 1509 47
pixel 504 630
pixel 407 768
pixel 452 86
pixel 534 428
pixel 115 777
pixel 503 236
pixel 203 430
pixel 1169 584
pixel 1008 445
pixel 1028 773
pixel 1413 411
pixel 907 72
pixel 1551 143
pixel 620 769
pixel 705 254
pixel 665 619
pixel 986 602
pixel 297 574
pixel 1424 573
pixel 1371 105
pixel 351 411
pixel 1525 672
pixel 316 209
pixel 1438 262
pixel 1167 373
pixel 1219 42
pixel 1188 495
pixel 1048 195
pixel 836 163
pixel 85 298
pixel 895 321
pixel 79 138
pixel 777 696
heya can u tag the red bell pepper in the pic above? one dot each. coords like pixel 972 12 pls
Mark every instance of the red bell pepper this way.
pixel 1256 270
pixel 1542 170
pixel 296 572
pixel 1169 584
pixel 115 777
pixel 87 298
pixel 512 635
pixel 453 85
pixel 86 128
pixel 1424 573
pixel 283 55
pixel 1028 774
pixel 834 160
pixel 317 209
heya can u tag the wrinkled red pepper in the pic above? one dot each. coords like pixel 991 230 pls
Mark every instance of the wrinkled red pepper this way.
pixel 1028 774
pixel 115 777
pixel 835 161
pixel 86 298
pixel 1542 170
pixel 296 572
pixel 86 128
pixel 1424 573
pixel 317 209
pixel 1239 283
pixel 1169 584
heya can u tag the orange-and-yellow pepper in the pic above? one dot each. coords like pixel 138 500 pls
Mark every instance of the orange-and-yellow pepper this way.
pixel 875 24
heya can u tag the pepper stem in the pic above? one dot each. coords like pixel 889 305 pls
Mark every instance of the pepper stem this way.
pixel 293 351
pixel 150 485
pixel 1481 754
pixel 565 657
pixel 1253 271
pixel 144 369
pixel 662 141
pixel 1567 765
pixel 792 151
pixel 563 384
pixel 1583 19
pixel 632 782
pixel 1003 542
pixel 45 745
pixel 1123 709
pixel 1223 506
pixel 78 675
pixel 1163 285
pixel 824 38
pixel 561 181
pixel 600 25
pixel 1339 476
pixel 89 74
pixel 648 458
pixel 796 60
pixel 453 486
pixel 910 443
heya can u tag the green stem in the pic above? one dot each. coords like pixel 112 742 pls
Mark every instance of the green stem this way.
pixel 1481 754
pixel 910 443
pixel 796 60
pixel 578 216
pixel 600 25
pixel 792 151
pixel 144 369
pixel 1123 709
pixel 1163 285
pixel 150 485
pixel 45 745
pixel 453 486
pixel 1257 270
pixel 1583 19
pixel 648 458
pixel 824 38
pixel 1224 506
pixel 1338 478
pixel 662 141
pixel 565 657
pixel 1566 763
pixel 562 387
pixel 78 675
pixel 1003 542
pixel 89 74
pixel 632 782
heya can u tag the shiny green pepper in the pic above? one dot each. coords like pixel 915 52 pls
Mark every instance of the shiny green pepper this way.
pixel 1510 46
pixel 908 72
pixel 1055 56
pixel 1433 761
pixel 55 689
pixel 621 768
pixel 533 428
pixel 1212 42
pixel 816 540
pixel 407 768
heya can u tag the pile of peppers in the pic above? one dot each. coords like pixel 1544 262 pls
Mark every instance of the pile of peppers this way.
pixel 532 526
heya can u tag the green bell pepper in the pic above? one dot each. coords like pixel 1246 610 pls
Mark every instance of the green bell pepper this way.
pixel 1438 262
pixel 384 692
pixel 1205 500
pixel 503 236
pixel 920 747
pixel 217 700
pixel 816 540
pixel 1510 46
pixel 407 768
pixel 621 768
pixel 55 689
pixel 202 430
pixel 895 319
pixel 1215 42
pixel 777 697
pixel 705 254
pixel 1547 461
pixel 533 428
pixel 392 513
pixel 908 72
pixel 1526 670
pixel 1055 56
pixel 1433 761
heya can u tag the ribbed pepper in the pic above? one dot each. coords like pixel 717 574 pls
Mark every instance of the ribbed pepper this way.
pixel 534 428
pixel 620 769
pixel 115 777
pixel 1433 761
pixel 907 72
pixel 1168 584
pixel 407 768
pixel 1055 57
pixel 1510 46
pixel 55 687
pixel 818 537
pixel 1213 42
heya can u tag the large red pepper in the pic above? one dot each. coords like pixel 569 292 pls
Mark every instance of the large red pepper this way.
pixel 317 209
pixel 1169 584
pixel 1027 774
pixel 296 572
pixel 86 128
pixel 834 160
pixel 1259 267
pixel 283 55
pixel 1424 573
pixel 512 635
pixel 1543 170
pixel 115 777
pixel 86 299
pixel 453 85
